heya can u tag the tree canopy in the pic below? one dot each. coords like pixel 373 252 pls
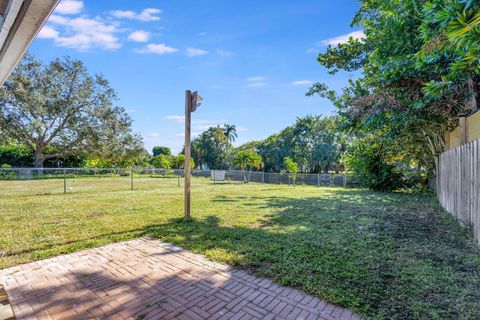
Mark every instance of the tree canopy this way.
pixel 313 142
pixel 212 148
pixel 418 67
pixel 59 109
pixel 157 150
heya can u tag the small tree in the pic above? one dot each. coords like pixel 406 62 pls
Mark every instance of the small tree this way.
pixel 371 162
pixel 291 167
pixel 247 159
pixel 179 162
pixel 162 161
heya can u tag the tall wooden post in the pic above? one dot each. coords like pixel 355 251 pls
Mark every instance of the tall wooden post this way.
pixel 186 172
pixel 192 101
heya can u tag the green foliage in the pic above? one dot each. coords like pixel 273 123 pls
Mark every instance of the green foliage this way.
pixel 419 71
pixel 163 161
pixel 369 160
pixel 291 167
pixel 179 162
pixel 58 110
pixel 15 155
pixel 312 141
pixel 384 255
pixel 158 150
pixel 230 131
pixel 247 159
pixel 212 149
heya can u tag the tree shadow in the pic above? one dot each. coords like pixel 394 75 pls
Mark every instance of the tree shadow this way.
pixel 388 255
pixel 376 253
pixel 164 287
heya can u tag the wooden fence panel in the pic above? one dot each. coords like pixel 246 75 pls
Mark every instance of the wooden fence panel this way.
pixel 458 185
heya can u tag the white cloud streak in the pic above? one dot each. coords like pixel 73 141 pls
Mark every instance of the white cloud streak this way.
pixel 343 38
pixel 159 49
pixel 195 52
pixel 256 78
pixel 301 82
pixel 69 7
pixel 139 36
pixel 81 33
pixel 149 14
pixel 179 119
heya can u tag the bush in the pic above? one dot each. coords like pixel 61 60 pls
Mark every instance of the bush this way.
pixel 162 161
pixel 370 163
pixel 16 155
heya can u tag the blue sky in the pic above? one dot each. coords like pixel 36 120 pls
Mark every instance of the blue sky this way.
pixel 251 61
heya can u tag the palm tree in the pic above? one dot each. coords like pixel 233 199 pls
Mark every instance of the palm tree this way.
pixel 230 132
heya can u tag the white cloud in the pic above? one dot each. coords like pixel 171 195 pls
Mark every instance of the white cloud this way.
pixel 202 34
pixel 194 52
pixel 179 119
pixel 139 36
pixel 81 33
pixel 48 33
pixel 301 82
pixel 182 134
pixel 257 78
pixel 159 48
pixel 131 110
pixel 225 53
pixel 149 14
pixel 69 7
pixel 154 135
pixel 344 38
pixel 241 129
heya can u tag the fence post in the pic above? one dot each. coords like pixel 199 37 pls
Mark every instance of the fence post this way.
pixel 131 178
pixel 64 181
pixel 214 179
pixel 344 180
pixel 318 179
pixel 178 175
pixel 263 177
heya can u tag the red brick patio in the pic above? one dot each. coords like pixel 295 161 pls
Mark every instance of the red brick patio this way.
pixel 149 279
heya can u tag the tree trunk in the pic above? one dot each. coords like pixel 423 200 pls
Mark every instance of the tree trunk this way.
pixel 38 159
pixel 471 103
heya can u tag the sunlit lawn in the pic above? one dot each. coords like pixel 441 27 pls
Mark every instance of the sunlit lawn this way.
pixel 382 254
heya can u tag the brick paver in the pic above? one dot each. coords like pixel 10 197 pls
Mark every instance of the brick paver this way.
pixel 149 279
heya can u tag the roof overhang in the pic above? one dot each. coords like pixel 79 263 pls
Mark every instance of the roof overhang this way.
pixel 20 22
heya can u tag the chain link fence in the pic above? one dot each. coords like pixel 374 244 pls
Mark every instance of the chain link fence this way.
pixel 71 180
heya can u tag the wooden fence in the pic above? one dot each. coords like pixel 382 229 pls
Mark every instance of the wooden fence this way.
pixel 458 184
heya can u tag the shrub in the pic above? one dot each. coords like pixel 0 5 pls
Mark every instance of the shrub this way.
pixel 369 160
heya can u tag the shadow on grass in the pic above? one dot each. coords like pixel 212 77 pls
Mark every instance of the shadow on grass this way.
pixel 100 295
pixel 385 255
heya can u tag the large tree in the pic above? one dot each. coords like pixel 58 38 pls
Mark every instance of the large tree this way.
pixel 314 142
pixel 59 109
pixel 418 68
pixel 212 149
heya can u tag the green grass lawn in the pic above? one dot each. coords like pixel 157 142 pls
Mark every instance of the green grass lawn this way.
pixel 387 255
